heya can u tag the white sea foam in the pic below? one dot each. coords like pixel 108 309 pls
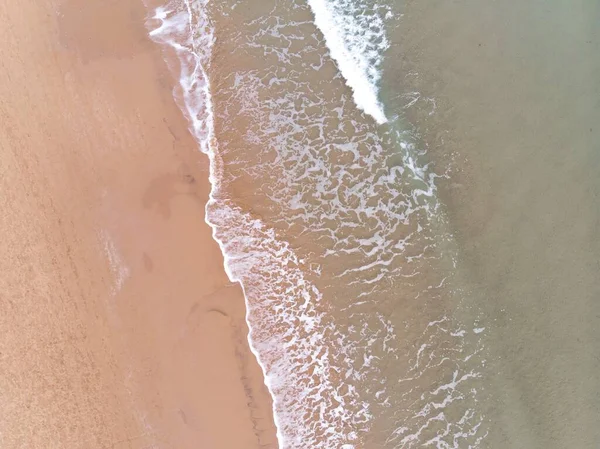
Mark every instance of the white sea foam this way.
pixel 356 40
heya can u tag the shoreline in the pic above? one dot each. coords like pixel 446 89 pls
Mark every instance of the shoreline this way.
pixel 114 199
pixel 165 32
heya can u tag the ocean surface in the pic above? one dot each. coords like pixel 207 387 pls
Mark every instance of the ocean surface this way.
pixel 407 192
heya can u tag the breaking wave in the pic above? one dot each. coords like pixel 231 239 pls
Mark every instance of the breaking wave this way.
pixel 355 35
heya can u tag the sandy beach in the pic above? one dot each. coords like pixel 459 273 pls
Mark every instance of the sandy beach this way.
pixel 119 326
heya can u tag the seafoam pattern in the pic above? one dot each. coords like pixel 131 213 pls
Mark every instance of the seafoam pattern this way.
pixel 363 195
pixel 298 348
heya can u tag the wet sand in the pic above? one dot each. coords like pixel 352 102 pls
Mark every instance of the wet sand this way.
pixel 119 326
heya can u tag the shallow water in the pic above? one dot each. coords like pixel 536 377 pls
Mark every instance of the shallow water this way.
pixel 386 189
pixel 518 106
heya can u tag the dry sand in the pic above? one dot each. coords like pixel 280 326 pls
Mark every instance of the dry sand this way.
pixel 119 327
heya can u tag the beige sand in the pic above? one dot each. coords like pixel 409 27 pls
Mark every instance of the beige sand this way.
pixel 119 328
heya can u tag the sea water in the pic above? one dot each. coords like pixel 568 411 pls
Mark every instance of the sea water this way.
pixel 344 201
